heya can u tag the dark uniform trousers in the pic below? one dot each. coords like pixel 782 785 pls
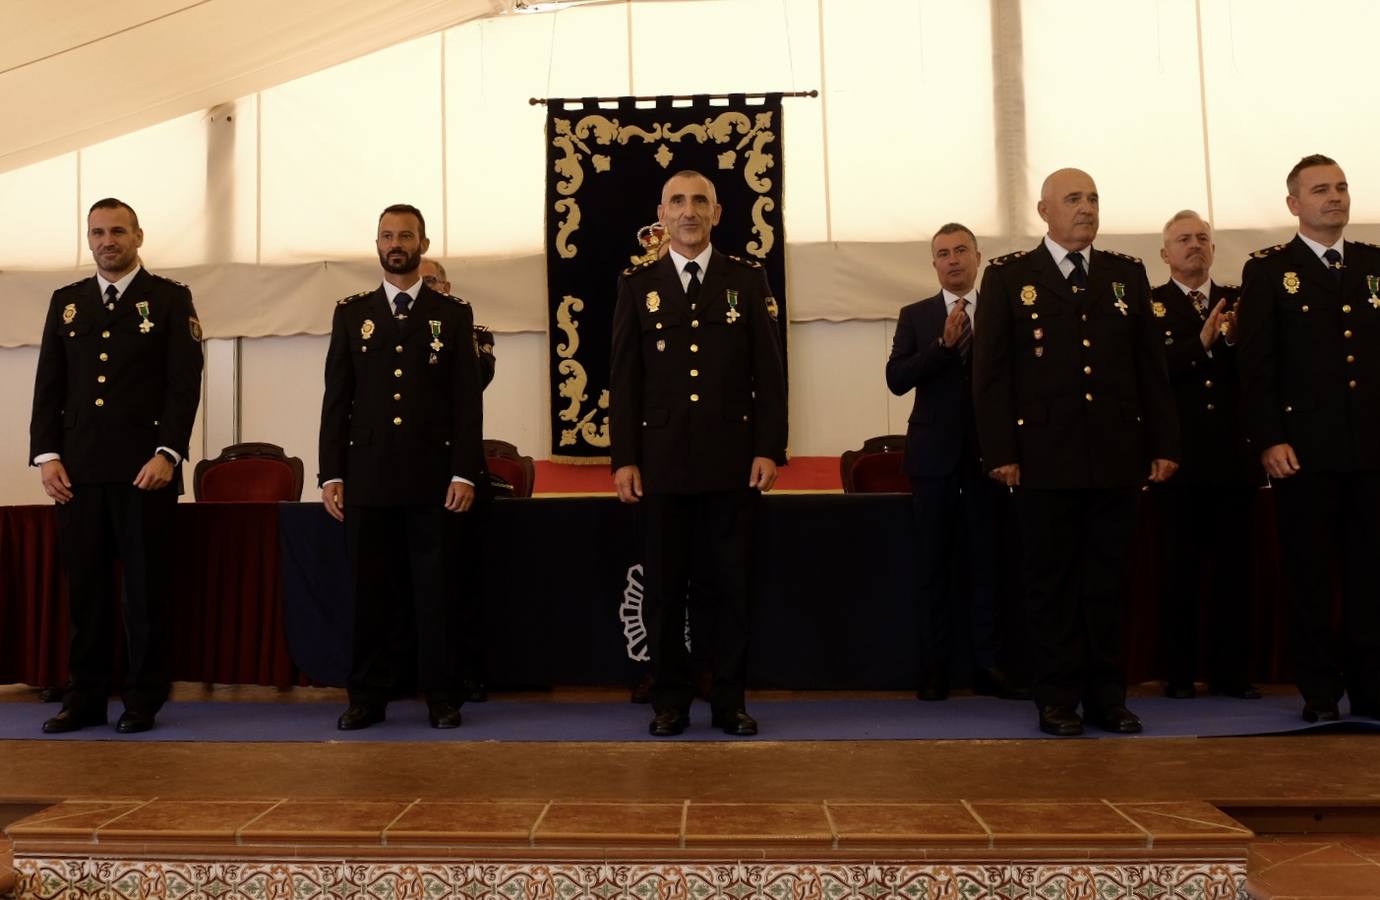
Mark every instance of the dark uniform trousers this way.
pixel 696 392
pixel 1072 386
pixel 402 414
pixel 1205 511
pixel 113 385
pixel 955 504
pixel 1309 357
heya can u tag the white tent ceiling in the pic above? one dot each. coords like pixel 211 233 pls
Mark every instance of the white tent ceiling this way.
pixel 77 72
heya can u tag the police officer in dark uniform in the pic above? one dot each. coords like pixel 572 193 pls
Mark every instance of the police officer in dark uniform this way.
pixel 472 526
pixel 697 411
pixel 1205 509
pixel 118 383
pixel 401 453
pixel 1074 410
pixel 1309 355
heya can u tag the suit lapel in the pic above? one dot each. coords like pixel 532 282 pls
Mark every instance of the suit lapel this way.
pixel 381 311
pixel 1178 307
pixel 712 295
pixel 1048 276
pixel 1312 271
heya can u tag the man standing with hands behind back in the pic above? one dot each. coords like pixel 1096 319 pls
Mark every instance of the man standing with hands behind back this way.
pixel 1310 370
pixel 697 410
pixel 118 383
pixel 401 453
pixel 1074 412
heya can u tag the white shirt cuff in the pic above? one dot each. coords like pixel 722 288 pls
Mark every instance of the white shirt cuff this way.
pixel 175 455
pixel 455 478
pixel 333 481
pixel 42 458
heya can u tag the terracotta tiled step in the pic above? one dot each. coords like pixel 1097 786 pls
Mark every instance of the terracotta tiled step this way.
pixel 417 828
pixel 1314 866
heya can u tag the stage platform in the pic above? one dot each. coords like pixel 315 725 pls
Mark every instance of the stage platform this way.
pixel 1155 817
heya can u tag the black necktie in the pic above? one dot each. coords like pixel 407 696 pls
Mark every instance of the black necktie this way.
pixel 111 295
pixel 965 336
pixel 1199 303
pixel 1078 276
pixel 1334 263
pixel 692 290
pixel 400 304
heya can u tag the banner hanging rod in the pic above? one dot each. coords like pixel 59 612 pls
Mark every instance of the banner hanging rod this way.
pixel 542 101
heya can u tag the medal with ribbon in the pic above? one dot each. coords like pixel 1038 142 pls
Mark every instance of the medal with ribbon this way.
pixel 1373 283
pixel 143 309
pixel 1119 290
pixel 733 314
pixel 436 334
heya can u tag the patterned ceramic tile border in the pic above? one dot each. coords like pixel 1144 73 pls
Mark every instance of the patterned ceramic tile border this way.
pixel 80 878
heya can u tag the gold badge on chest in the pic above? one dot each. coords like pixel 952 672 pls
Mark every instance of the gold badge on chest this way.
pixel 1158 309
pixel 69 313
pixel 1291 282
pixel 653 302
pixel 1028 295
pixel 366 330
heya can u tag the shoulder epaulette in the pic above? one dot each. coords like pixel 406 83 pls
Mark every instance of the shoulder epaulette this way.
pixel 639 267
pixel 1366 244
pixel 79 281
pixel 167 279
pixel 750 263
pixel 1230 287
pixel 352 298
pixel 1125 256
pixel 453 299
pixel 1268 251
pixel 1003 260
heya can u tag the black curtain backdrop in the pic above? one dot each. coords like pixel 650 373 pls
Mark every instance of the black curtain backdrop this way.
pixel 606 163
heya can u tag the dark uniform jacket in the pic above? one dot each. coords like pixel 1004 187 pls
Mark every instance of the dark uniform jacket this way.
pixel 1074 388
pixel 1309 355
pixel 402 412
pixel 111 389
pixel 1208 391
pixel 941 428
pixel 695 395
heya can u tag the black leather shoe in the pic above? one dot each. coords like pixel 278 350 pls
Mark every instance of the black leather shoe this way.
pixel 70 720
pixel 642 691
pixel 1180 690
pixel 358 716
pixel 443 715
pixel 994 682
pixel 933 687
pixel 1328 713
pixel 1117 720
pixel 668 723
pixel 1242 690
pixel 476 692
pixel 133 722
pixel 1061 721
pixel 737 722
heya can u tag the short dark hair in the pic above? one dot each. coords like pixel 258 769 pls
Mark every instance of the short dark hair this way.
pixel 693 173
pixel 112 203
pixel 407 209
pixel 1313 159
pixel 954 228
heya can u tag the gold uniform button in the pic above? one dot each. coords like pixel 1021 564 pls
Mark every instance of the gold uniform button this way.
pixel 1085 317
pixel 1288 409
pixel 694 373
pixel 1087 370
pixel 1020 421
pixel 694 323
pixel 397 373
pixel 104 357
pixel 1087 397
pixel 1305 307
pixel 71 334
pixel 694 398
pixel 397 396
pixel 1034 315
pixel 1351 384
pixel 1346 307
pixel 1087 343
pixel 1350 358
pixel 658 326
pixel 100 402
pixel 398 348
pixel 100 379
pixel 397 420
pixel 694 348
pixel 105 334
pixel 1347 334
pixel 1207 383
pixel 1210 407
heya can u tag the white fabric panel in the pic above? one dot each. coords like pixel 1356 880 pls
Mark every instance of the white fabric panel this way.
pixel 121 67
pixel 282 380
pixel 243 208
pixel 18 479
pixel 897 408
pixel 41 228
pixel 161 172
pixel 217 411
pixel 910 130
pixel 340 145
pixel 1276 94
pixel 1136 126
pixel 838 389
pixel 516 403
